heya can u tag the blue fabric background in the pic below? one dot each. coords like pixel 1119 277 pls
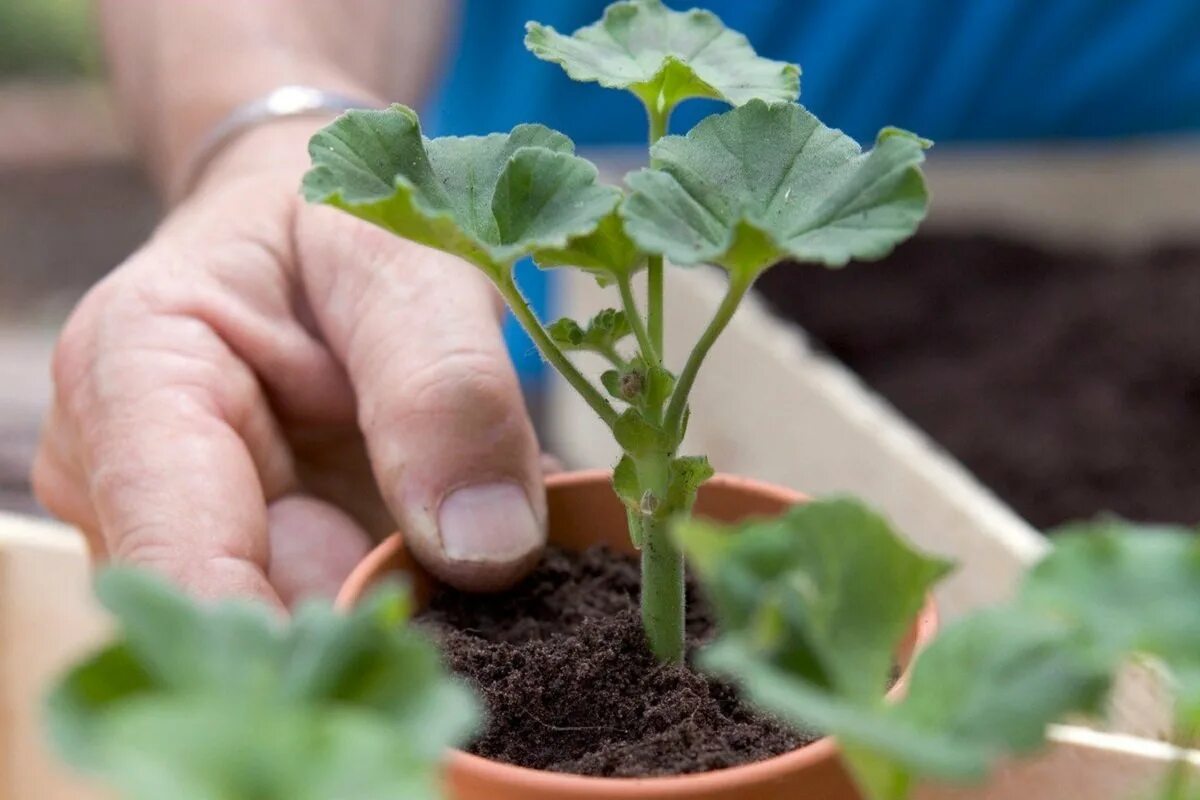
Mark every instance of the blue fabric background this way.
pixel 966 70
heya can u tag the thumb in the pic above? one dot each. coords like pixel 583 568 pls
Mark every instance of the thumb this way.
pixel 450 441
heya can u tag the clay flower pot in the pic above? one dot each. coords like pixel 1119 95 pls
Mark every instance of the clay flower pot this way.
pixel 584 511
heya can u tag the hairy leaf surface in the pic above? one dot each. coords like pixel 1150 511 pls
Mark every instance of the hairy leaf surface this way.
pixel 488 199
pixel 762 183
pixel 665 56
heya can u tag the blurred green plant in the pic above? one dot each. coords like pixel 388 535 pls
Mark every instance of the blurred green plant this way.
pixel 813 604
pixel 47 38
pixel 228 702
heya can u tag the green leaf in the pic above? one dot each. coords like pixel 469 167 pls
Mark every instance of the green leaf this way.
pixel 607 253
pixel 987 687
pixel 625 483
pixel 758 184
pixel 603 332
pixel 665 56
pixel 659 383
pixel 826 591
pixel 610 379
pixel 490 200
pixel 643 385
pixel 566 333
pixel 199 749
pixel 227 702
pixel 687 474
pixel 991 683
pixel 1135 589
pixel 638 437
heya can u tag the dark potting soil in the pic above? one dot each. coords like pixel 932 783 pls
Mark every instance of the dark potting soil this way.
pixel 570 685
pixel 1068 381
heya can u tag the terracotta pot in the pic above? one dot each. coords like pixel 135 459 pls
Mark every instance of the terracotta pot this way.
pixel 583 511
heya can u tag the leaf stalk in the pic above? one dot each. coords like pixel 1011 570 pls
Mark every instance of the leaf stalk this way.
pixel 537 332
pixel 659 122
pixel 629 304
pixel 739 284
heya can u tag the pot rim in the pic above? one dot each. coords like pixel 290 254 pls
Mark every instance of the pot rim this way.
pixel 924 629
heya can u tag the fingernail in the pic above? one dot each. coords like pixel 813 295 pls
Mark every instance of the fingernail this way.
pixel 490 522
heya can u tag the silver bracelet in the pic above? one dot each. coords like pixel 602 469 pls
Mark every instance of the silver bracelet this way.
pixel 280 103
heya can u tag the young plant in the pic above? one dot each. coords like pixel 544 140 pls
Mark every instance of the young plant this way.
pixel 762 183
pixel 810 630
pixel 232 703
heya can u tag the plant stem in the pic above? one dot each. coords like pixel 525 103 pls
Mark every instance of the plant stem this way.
pixel 662 569
pixel 649 351
pixel 738 286
pixel 659 121
pixel 662 591
pixel 662 562
pixel 533 326
pixel 654 301
pixel 613 357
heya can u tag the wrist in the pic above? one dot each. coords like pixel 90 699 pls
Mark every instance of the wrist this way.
pixel 199 104
pixel 276 148
pixel 282 103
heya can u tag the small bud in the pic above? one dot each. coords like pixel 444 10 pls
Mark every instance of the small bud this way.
pixel 632 384
pixel 649 502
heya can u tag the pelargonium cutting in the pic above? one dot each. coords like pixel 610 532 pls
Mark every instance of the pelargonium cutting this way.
pixel 743 190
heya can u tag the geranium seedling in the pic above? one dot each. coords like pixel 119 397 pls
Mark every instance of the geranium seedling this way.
pixel 233 703
pixel 759 184
pixel 813 606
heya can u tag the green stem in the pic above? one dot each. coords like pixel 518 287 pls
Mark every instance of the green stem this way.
pixel 662 569
pixel 649 351
pixel 659 122
pixel 654 301
pixel 738 286
pixel 533 326
pixel 613 357
pixel 662 591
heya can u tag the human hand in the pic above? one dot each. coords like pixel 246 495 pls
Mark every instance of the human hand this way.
pixel 266 384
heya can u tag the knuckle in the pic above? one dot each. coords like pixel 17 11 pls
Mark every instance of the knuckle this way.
pixel 464 384
pixel 50 486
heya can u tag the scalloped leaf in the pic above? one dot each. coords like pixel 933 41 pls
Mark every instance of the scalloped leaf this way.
pixel 759 184
pixel 664 56
pixel 201 703
pixel 490 200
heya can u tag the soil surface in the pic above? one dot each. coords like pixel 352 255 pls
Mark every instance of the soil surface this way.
pixel 1068 381
pixel 570 685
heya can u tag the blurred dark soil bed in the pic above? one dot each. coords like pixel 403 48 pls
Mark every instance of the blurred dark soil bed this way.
pixel 1066 380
